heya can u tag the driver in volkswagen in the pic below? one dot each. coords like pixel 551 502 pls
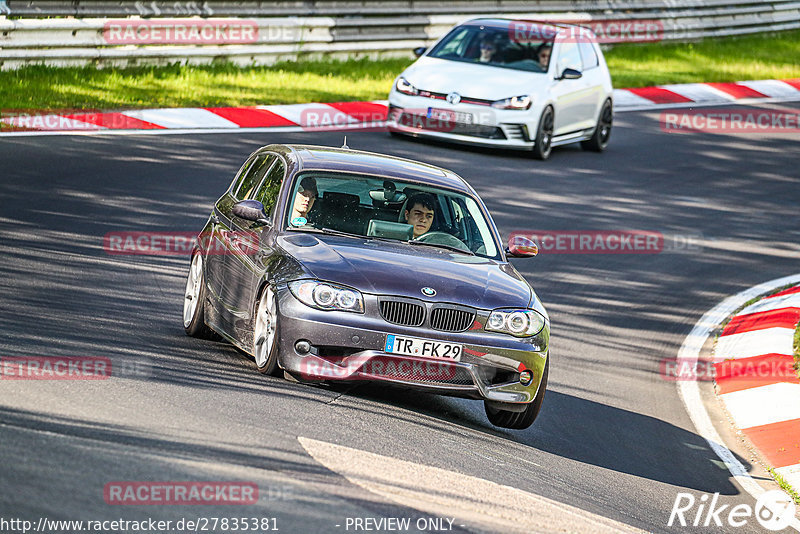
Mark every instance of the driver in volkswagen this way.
pixel 419 213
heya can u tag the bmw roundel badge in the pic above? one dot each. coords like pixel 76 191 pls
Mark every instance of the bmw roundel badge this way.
pixel 428 291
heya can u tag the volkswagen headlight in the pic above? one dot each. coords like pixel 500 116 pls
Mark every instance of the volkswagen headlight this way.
pixel 327 296
pixel 517 322
pixel 404 87
pixel 515 102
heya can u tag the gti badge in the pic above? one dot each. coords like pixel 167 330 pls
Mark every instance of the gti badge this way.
pixel 428 291
pixel 454 98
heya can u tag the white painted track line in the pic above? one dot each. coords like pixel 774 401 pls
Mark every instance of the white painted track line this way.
pixel 440 492
pixel 690 390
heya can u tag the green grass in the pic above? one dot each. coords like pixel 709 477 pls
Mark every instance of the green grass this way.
pixel 40 87
pixel 633 65
pixel 785 486
pixel 753 57
pixel 797 350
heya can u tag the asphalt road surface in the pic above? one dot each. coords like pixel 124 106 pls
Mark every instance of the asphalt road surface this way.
pixel 613 439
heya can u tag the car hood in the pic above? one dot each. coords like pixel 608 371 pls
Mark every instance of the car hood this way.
pixel 386 268
pixel 472 80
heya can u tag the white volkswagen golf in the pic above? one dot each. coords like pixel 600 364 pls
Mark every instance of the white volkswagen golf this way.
pixel 507 83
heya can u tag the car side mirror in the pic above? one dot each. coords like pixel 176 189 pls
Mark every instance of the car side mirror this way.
pixel 251 210
pixel 570 74
pixel 522 247
pixel 419 51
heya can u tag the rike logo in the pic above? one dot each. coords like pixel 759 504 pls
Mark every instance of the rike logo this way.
pixel 774 510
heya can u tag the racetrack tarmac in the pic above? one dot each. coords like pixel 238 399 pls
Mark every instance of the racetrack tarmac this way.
pixel 613 438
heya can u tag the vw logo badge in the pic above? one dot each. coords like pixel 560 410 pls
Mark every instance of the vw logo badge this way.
pixel 454 98
pixel 428 291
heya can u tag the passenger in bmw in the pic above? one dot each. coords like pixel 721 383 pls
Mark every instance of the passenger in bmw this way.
pixel 419 212
pixel 304 201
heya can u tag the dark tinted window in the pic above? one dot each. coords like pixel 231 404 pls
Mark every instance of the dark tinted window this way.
pixel 253 176
pixel 588 54
pixel 268 190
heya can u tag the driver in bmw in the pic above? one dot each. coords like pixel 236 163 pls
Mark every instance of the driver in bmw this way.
pixel 420 213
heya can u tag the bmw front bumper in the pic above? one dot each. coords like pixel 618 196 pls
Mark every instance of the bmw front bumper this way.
pixel 318 345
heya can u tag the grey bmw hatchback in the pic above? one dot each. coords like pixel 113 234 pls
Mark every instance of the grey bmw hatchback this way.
pixel 331 264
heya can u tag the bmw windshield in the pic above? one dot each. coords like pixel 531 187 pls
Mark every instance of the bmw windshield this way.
pixel 374 207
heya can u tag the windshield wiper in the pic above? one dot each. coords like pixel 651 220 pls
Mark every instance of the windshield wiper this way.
pixel 328 231
pixel 331 231
pixel 439 245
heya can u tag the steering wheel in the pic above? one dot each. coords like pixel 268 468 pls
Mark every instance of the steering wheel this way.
pixel 443 238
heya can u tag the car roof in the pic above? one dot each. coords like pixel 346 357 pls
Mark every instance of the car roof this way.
pixel 505 23
pixel 324 158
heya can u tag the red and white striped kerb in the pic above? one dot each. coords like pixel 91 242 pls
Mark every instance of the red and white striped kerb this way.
pixel 349 115
pixel 753 360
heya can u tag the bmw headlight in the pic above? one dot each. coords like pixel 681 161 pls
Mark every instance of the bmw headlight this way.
pixel 404 87
pixel 515 102
pixel 517 322
pixel 327 296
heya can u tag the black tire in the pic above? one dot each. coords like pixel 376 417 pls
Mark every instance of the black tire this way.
pixel 602 132
pixel 266 364
pixel 543 144
pixel 194 318
pixel 523 419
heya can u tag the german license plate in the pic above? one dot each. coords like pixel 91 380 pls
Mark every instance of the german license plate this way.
pixel 448 115
pixel 424 348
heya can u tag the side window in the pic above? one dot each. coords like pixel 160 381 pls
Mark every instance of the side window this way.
pixel 268 190
pixel 569 57
pixel 253 176
pixel 588 54
pixel 237 181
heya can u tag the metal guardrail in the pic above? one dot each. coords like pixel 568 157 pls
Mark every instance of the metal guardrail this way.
pixel 77 32
pixel 93 8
